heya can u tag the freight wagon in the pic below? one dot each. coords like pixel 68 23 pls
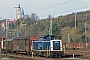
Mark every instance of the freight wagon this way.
pixel 19 45
pixel 48 46
pixel 23 45
pixel 9 45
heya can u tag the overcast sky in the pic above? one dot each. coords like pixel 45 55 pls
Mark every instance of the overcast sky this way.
pixel 59 7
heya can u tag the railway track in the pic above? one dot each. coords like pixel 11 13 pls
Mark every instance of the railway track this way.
pixel 85 54
pixel 78 55
pixel 24 57
pixel 81 52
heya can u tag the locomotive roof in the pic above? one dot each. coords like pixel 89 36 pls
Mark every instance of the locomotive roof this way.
pixel 48 36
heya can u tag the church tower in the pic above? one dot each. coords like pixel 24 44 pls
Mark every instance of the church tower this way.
pixel 18 12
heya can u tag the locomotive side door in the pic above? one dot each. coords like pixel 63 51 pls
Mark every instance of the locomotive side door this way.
pixel 40 46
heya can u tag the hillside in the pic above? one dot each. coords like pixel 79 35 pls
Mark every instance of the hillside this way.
pixel 62 25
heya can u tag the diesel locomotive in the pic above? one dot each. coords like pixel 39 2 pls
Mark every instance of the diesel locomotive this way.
pixel 48 46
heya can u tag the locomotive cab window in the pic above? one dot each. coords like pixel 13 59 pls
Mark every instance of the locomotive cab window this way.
pixel 56 45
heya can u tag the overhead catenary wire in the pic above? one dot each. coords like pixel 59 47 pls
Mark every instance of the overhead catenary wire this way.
pixel 73 9
pixel 51 6
pixel 67 11
pixel 57 5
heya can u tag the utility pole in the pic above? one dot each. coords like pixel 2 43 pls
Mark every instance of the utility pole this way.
pixel 6 36
pixel 75 27
pixel 50 32
pixel 50 28
pixel 25 29
pixel 75 21
pixel 16 20
pixel 0 19
pixel 85 23
pixel 85 20
pixel 0 35
pixel 68 38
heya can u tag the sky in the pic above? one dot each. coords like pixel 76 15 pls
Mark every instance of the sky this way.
pixel 42 8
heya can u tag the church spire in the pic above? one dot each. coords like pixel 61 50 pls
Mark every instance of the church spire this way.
pixel 19 6
pixel 22 11
pixel 19 12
